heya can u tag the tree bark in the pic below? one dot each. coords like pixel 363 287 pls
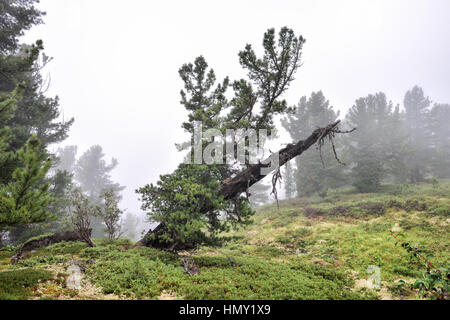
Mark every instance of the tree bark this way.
pixel 234 186
pixel 248 177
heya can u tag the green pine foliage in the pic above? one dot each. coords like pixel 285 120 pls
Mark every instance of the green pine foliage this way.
pixel 25 199
pixel 187 202
pixel 398 149
pixel 7 106
pixel 420 132
pixel 25 110
pixel 17 17
pixel 439 122
pixel 311 175
pixel 180 200
pixel 366 147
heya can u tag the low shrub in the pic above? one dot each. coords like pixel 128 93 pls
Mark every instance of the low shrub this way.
pixel 65 247
pixel 442 210
pixel 99 251
pixel 41 260
pixel 313 212
pixel 133 274
pixel 350 209
pixel 295 238
pixel 268 251
pixel 7 252
pixel 415 205
pixel 373 208
pixel 18 284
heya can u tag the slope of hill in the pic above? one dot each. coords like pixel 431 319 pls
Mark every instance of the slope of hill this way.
pixel 337 247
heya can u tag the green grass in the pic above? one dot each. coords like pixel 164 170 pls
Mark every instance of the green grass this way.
pixel 134 274
pixel 310 248
pixel 6 253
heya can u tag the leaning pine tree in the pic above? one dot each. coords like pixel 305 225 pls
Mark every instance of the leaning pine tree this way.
pixel 196 202
pixel 24 197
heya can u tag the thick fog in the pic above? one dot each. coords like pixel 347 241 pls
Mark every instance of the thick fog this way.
pixel 116 64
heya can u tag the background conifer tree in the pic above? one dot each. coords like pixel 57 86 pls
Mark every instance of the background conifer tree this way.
pixel 310 175
pixel 417 108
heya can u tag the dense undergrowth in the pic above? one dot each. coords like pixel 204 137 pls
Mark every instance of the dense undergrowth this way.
pixel 18 284
pixel 310 248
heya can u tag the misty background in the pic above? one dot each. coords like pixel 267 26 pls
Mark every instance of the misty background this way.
pixel 115 65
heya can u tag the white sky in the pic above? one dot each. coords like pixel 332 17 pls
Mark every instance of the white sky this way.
pixel 116 63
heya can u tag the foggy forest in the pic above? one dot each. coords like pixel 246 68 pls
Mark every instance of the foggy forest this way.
pixel 207 151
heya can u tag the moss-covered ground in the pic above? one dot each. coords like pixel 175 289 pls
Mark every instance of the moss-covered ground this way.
pixel 309 248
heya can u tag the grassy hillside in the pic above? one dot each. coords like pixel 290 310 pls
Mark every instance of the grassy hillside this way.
pixel 311 248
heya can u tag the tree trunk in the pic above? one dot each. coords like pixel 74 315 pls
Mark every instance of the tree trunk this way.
pixel 234 186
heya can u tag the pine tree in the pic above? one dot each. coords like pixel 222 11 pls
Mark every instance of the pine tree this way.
pixel 36 112
pixel 366 146
pixel 17 17
pixel 93 175
pixel 131 225
pixel 397 148
pixel 7 106
pixel 66 159
pixel 419 132
pixel 440 126
pixel 25 199
pixel 311 176
pixel 33 112
pixel 187 204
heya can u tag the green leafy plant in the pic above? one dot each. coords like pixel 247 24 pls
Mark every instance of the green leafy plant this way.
pixel 434 282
